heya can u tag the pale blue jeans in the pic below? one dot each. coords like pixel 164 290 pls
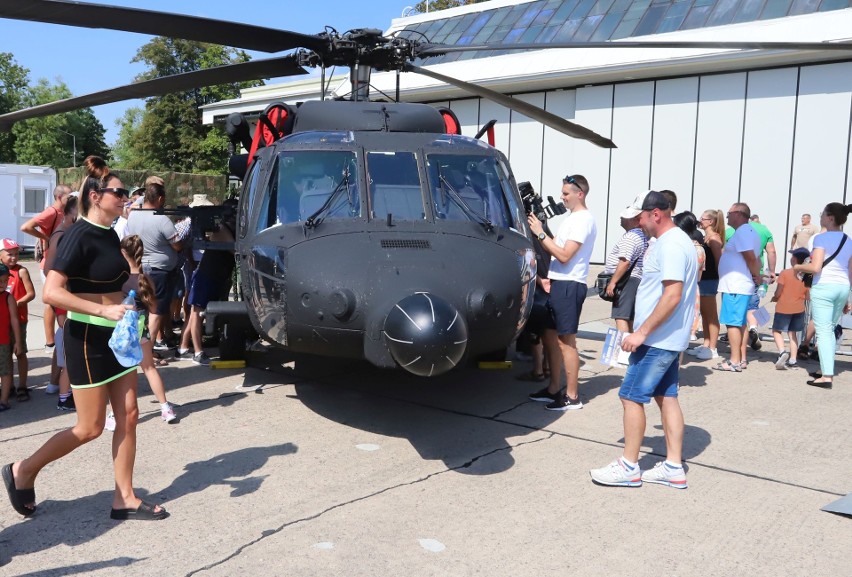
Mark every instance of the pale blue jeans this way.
pixel 827 302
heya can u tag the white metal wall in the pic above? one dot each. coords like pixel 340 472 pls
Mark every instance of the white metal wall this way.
pixel 779 140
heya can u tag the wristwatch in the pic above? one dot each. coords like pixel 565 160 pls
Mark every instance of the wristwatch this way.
pixel 542 236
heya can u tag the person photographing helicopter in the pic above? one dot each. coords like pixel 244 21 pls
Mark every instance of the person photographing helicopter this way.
pixel 570 251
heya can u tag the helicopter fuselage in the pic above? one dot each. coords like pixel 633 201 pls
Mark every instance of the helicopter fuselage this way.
pixel 405 249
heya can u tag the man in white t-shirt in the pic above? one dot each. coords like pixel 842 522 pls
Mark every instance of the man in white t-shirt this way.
pixel 739 274
pixel 570 252
pixel 665 310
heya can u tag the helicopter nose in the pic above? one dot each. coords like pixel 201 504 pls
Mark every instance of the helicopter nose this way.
pixel 426 335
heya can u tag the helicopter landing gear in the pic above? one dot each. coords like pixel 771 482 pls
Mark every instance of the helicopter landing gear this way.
pixel 232 343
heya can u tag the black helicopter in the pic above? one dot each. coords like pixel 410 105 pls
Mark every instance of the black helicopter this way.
pixel 365 229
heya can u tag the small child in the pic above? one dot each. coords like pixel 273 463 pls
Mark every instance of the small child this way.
pixel 9 329
pixel 20 286
pixel 789 299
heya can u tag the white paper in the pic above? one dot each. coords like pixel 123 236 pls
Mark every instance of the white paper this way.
pixel 762 317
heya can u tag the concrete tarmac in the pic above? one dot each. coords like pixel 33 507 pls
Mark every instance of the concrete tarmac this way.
pixel 335 468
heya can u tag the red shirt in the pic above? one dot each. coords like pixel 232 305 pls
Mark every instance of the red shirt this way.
pixel 18 290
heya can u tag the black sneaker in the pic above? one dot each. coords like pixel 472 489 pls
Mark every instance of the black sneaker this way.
pixel 67 404
pixel 724 338
pixel 754 340
pixel 201 359
pixel 184 355
pixel 161 346
pixel 565 403
pixel 543 396
pixel 802 353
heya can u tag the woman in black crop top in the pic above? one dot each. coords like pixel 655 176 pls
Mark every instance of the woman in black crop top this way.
pixel 86 280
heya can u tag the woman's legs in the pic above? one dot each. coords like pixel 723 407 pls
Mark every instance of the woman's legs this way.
pixel 151 373
pixel 827 301
pixel 710 321
pixel 89 426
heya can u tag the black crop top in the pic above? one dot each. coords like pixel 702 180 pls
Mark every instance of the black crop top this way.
pixel 90 256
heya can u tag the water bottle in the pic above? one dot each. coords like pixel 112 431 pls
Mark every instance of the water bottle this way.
pixel 124 342
pixel 761 291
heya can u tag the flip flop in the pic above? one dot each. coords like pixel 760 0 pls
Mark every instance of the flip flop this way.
pixel 18 496
pixel 145 512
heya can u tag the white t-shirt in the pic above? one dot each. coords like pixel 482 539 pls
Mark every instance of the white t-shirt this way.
pixel 734 276
pixel 580 227
pixel 837 271
pixel 673 258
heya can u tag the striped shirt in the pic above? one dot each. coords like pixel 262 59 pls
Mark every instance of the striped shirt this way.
pixel 630 246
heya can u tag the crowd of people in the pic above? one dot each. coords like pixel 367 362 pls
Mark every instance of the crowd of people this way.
pixel 90 264
pixel 666 276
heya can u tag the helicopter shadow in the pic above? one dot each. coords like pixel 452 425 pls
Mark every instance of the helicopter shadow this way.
pixel 453 418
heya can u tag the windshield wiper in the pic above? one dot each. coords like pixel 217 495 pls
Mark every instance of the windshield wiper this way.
pixel 315 219
pixel 446 187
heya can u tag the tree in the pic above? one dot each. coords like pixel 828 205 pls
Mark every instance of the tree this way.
pixel 124 154
pixel 435 5
pixel 14 80
pixel 169 135
pixel 50 140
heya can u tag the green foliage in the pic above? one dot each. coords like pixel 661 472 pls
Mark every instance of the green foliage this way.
pixel 13 84
pixel 169 135
pixel 435 5
pixel 48 141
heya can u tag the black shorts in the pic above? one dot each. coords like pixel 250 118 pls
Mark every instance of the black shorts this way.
pixel 625 306
pixel 164 287
pixel 566 302
pixel 88 359
pixel 541 317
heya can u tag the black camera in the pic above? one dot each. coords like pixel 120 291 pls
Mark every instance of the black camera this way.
pixel 534 205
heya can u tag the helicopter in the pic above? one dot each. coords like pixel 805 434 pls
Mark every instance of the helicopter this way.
pixel 364 229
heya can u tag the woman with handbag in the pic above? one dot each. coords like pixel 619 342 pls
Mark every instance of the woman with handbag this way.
pixel 624 267
pixel 831 267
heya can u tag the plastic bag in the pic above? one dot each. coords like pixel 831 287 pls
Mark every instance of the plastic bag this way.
pixel 125 342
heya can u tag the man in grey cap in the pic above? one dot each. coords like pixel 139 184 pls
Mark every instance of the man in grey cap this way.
pixel 665 309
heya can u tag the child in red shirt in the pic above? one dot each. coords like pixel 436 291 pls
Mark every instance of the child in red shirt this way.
pixel 9 329
pixel 21 288
pixel 789 299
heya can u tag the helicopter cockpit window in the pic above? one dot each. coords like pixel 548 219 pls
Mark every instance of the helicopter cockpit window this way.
pixel 317 184
pixel 466 187
pixel 394 186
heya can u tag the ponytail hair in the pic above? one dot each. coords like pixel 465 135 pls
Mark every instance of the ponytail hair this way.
pixel 132 245
pixel 97 175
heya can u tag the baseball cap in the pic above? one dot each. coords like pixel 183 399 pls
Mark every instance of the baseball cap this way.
pixel 645 201
pixel 8 244
pixel 800 253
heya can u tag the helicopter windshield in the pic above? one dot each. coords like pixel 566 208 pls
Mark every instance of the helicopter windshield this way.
pixel 466 187
pixel 304 181
pixel 394 185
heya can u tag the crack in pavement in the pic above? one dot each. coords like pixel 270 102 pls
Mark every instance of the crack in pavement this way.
pixel 272 532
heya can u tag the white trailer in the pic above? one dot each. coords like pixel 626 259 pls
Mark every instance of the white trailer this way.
pixel 27 190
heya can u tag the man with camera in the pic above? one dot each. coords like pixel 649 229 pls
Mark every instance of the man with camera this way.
pixel 570 252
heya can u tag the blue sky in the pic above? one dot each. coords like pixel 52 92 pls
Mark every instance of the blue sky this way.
pixel 89 60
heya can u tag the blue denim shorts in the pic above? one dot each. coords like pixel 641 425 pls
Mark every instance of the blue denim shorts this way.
pixel 652 373
pixel 784 322
pixel 734 309
pixel 709 287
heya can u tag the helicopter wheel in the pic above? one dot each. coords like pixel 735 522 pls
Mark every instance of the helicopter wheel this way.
pixel 232 343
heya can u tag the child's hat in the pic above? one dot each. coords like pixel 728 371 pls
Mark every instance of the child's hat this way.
pixel 9 244
pixel 801 253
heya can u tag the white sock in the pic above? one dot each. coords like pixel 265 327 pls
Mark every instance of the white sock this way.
pixel 628 465
pixel 753 328
pixel 182 351
pixel 671 465
pixel 165 406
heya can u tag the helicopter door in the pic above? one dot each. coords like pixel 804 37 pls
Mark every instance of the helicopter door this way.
pixel 394 186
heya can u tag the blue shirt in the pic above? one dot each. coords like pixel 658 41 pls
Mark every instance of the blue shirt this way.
pixel 671 258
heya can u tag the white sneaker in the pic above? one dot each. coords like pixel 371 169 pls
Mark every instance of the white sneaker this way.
pixel 694 351
pixel 781 363
pixel 168 414
pixel 616 475
pixel 51 389
pixel 707 354
pixel 109 425
pixel 663 474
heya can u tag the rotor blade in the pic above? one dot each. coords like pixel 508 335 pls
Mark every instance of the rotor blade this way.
pixel 88 15
pixel 253 70
pixel 437 49
pixel 534 112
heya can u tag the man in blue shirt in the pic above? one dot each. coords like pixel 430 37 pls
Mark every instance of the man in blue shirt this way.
pixel 665 310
